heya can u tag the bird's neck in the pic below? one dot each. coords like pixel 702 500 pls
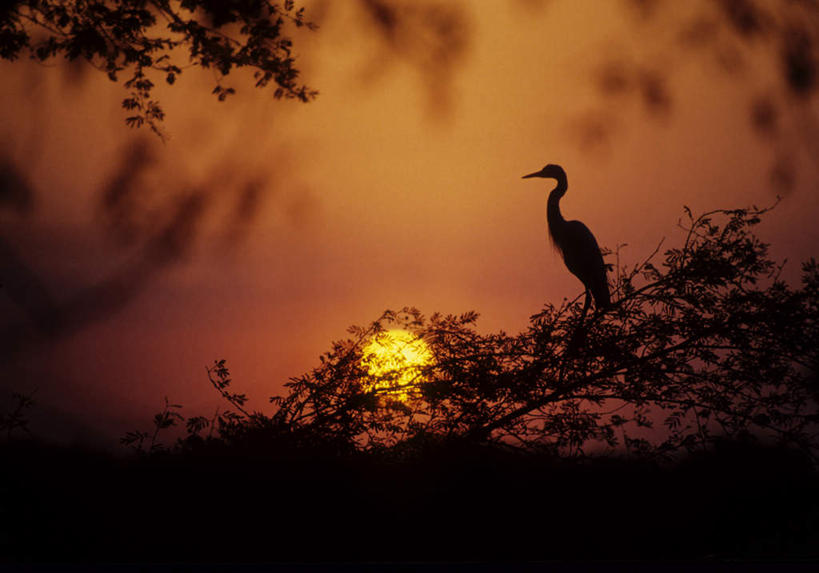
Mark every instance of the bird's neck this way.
pixel 553 214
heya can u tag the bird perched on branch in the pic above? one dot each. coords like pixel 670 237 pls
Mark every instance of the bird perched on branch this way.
pixel 575 242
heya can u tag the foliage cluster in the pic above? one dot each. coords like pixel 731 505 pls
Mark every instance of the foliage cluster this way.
pixel 708 343
pixel 145 38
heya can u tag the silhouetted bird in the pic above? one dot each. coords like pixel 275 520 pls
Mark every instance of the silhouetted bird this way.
pixel 575 242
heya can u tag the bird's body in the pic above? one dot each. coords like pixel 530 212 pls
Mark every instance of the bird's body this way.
pixel 575 241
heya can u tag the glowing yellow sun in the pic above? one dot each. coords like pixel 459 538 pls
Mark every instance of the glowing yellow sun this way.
pixel 394 360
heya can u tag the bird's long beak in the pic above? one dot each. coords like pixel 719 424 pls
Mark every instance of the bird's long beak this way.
pixel 535 174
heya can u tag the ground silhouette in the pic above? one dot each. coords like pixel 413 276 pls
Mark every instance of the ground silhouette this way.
pixel 266 501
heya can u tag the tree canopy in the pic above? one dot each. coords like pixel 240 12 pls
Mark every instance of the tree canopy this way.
pixel 708 343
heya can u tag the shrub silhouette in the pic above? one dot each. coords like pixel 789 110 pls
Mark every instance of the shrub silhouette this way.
pixel 708 343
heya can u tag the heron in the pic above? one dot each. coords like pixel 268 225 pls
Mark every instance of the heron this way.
pixel 575 242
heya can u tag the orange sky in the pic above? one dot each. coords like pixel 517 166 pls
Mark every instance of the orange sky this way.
pixel 382 193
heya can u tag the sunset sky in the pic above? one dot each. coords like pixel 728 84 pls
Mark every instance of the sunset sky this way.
pixel 399 185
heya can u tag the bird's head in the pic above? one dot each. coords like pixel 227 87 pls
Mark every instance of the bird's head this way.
pixel 551 171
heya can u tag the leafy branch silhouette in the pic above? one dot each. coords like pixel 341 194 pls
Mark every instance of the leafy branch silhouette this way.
pixel 708 343
pixel 145 38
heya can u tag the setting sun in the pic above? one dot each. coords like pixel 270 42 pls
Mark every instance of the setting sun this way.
pixel 394 360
